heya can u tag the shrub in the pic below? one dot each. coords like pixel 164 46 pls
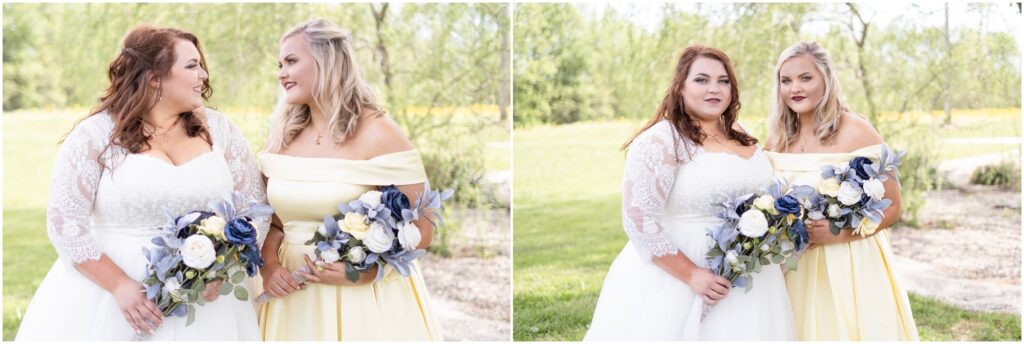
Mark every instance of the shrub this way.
pixel 1005 174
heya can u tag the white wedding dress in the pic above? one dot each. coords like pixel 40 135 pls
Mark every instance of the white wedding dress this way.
pixel 667 204
pixel 111 211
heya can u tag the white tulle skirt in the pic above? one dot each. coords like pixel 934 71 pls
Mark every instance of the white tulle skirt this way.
pixel 68 306
pixel 640 301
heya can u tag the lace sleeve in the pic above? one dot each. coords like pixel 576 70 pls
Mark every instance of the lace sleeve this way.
pixel 649 175
pixel 76 176
pixel 244 169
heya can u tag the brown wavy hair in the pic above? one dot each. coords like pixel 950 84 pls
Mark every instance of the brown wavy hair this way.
pixel 147 52
pixel 684 123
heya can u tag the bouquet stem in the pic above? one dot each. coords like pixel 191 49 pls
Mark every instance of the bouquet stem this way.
pixel 705 309
pixel 143 336
pixel 264 298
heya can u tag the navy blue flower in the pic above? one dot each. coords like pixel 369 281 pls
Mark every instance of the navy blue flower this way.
pixel 788 205
pixel 240 232
pixel 252 259
pixel 799 234
pixel 394 200
pixel 185 231
pixel 742 208
pixel 864 198
pixel 859 165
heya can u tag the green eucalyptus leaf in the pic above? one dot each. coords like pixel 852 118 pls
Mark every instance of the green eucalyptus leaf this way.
pixel 190 315
pixel 350 273
pixel 241 294
pixel 225 289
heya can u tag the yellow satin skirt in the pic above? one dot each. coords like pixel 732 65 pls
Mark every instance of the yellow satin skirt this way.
pixel 394 308
pixel 849 291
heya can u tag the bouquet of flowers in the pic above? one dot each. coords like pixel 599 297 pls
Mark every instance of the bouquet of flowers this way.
pixel 200 247
pixel 852 195
pixel 756 230
pixel 376 229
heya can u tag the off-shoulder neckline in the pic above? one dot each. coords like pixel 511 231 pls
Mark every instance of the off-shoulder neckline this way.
pixel 340 159
pixel 816 154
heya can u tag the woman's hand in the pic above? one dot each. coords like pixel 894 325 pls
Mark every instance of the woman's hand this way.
pixel 141 313
pixel 712 288
pixel 278 282
pixel 334 273
pixel 213 290
pixel 818 231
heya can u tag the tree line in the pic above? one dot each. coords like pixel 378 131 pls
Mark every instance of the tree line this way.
pixel 572 66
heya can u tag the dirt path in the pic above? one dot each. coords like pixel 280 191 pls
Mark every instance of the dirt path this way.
pixel 967 250
pixel 471 290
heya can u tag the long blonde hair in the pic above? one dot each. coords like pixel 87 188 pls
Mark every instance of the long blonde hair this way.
pixel 340 90
pixel 784 122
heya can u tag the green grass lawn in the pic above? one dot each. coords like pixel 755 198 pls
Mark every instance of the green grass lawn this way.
pixel 30 145
pixel 568 230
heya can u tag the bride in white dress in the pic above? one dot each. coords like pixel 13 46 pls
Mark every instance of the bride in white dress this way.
pixel 676 168
pixel 105 198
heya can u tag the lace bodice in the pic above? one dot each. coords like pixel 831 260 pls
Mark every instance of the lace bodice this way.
pixel 131 193
pixel 668 177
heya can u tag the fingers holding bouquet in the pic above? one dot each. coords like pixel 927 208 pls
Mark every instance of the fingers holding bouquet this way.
pixel 278 282
pixel 820 234
pixel 334 273
pixel 711 288
pixel 213 290
pixel 141 313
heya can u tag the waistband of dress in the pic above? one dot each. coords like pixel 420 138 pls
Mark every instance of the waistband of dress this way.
pixel 299 232
pixel 688 219
pixel 132 231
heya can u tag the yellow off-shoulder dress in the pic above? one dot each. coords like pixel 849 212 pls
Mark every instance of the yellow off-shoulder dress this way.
pixel 845 291
pixel 302 191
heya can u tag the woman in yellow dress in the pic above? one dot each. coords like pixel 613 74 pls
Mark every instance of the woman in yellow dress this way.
pixel 844 287
pixel 329 143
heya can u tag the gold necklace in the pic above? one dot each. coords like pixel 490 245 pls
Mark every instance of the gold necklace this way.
pixel 715 137
pixel 165 131
pixel 803 144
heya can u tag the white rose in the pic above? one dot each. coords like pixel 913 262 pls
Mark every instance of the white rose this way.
pixel 849 194
pixel 409 236
pixel 213 226
pixel 874 188
pixel 197 252
pixel 356 254
pixel 330 256
pixel 730 257
pixel 379 238
pixel 172 285
pixel 371 198
pixel 834 211
pixel 829 187
pixel 753 224
pixel 354 224
pixel 766 203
